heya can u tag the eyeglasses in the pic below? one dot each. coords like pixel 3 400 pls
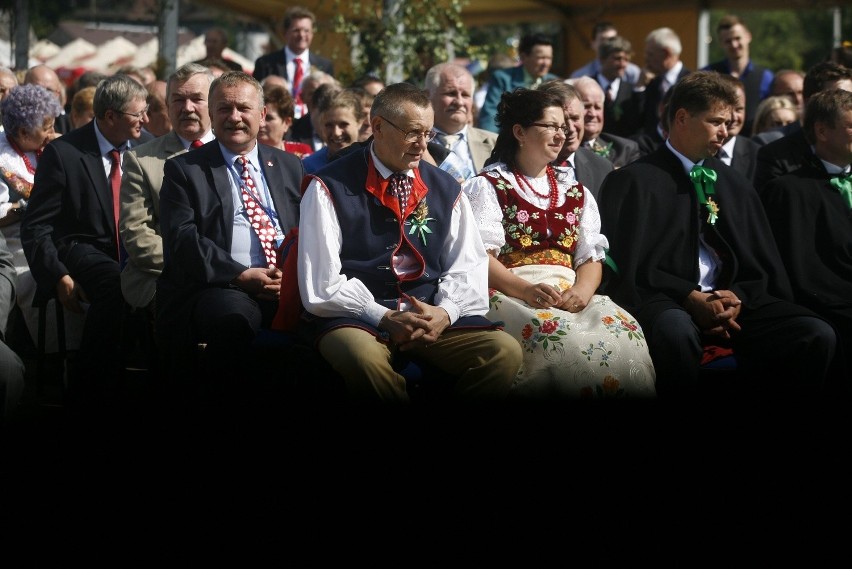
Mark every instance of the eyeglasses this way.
pixel 552 128
pixel 414 135
pixel 137 116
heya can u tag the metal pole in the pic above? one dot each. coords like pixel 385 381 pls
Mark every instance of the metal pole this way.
pixel 22 34
pixel 167 37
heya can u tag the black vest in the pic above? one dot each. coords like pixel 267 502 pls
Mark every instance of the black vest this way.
pixel 373 233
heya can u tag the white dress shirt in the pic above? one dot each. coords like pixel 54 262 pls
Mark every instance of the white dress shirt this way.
pixel 709 263
pixel 726 153
pixel 326 292
pixel 245 244
pixel 670 77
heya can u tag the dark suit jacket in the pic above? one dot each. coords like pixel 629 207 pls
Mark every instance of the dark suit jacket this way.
pixel 651 217
pixel 62 124
pixel 591 169
pixel 647 141
pixel 501 81
pixel 622 151
pixel 652 99
pixel 783 156
pixel 623 115
pixel 8 279
pixel 744 159
pixel 275 63
pixel 197 222
pixel 813 227
pixel 302 131
pixel 71 201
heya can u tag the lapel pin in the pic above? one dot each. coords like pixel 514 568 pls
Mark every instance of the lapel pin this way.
pixel 269 163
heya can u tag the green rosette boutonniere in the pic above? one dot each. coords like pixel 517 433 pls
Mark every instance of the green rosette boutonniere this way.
pixel 420 221
pixel 601 150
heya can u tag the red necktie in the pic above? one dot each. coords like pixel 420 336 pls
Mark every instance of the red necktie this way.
pixel 257 215
pixel 297 85
pixel 115 183
pixel 196 144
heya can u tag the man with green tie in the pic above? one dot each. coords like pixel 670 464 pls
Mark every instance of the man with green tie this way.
pixel 810 211
pixel 696 262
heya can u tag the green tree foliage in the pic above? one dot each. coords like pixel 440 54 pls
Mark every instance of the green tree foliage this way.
pixel 783 39
pixel 397 40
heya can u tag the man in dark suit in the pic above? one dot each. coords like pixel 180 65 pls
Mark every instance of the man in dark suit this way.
pixel 735 38
pixel 622 100
pixel 793 150
pixel 810 212
pixel 697 262
pixel 536 53
pixel 589 168
pixel 662 58
pixel 738 151
pixel 296 60
pixel 70 232
pixel 596 136
pixel 224 209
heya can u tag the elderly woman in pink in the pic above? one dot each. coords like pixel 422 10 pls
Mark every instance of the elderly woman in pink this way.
pixel 542 230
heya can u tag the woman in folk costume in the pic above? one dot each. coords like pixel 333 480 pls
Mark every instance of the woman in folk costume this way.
pixel 542 230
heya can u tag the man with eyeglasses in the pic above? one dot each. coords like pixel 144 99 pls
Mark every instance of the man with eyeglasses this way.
pixel 391 265
pixel 70 231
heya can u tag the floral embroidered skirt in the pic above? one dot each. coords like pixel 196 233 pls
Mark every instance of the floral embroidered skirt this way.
pixel 598 353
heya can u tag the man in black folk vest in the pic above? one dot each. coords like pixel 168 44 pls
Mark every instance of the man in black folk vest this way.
pixel 390 260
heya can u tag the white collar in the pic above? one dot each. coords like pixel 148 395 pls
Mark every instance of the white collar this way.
pixel 290 55
pixel 383 170
pixel 251 155
pixel 687 163
pixel 208 136
pixel 728 147
pixel 104 145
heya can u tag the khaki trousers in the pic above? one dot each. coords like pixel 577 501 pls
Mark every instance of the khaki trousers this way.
pixel 484 361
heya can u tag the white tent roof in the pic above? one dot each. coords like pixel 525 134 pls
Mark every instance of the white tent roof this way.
pixel 44 50
pixel 146 54
pixel 191 51
pixel 71 52
pixel 248 65
pixel 110 52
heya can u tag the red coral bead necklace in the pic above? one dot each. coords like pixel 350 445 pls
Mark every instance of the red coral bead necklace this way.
pixel 551 180
pixel 23 155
